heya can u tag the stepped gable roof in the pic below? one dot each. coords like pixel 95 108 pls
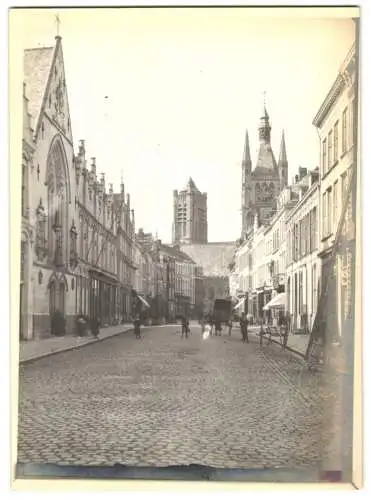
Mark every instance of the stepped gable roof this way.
pixel 36 68
pixel 214 258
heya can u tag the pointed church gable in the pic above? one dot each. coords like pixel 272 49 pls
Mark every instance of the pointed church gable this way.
pixel 45 81
pixel 36 69
pixel 56 102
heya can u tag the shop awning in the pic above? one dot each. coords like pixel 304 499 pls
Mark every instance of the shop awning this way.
pixel 239 304
pixel 278 301
pixel 144 301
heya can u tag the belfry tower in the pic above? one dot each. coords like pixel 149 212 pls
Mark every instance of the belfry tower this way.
pixel 261 186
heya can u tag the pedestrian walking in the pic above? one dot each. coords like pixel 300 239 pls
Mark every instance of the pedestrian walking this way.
pixel 136 323
pixel 185 327
pixel 218 327
pixel 202 323
pixel 207 331
pixel 95 324
pixel 243 326
pixel 212 324
pixel 230 326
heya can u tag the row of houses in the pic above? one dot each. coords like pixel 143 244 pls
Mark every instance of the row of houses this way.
pixel 277 267
pixel 80 252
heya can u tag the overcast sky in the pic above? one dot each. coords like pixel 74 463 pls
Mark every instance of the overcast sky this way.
pixel 182 87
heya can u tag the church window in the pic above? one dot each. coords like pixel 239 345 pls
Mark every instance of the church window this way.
pixel 23 253
pixel 42 130
pixel 50 101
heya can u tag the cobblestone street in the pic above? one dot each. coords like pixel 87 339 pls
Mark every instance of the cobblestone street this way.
pixel 164 400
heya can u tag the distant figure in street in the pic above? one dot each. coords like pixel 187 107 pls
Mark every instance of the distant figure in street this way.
pixel 230 326
pixel 137 326
pixel 211 323
pixel 243 326
pixel 95 324
pixel 218 327
pixel 185 327
pixel 202 323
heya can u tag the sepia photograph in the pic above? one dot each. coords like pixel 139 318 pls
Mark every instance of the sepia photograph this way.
pixel 186 260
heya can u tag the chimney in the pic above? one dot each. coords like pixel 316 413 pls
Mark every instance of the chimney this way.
pixel 103 182
pixel 93 168
pixel 82 148
pixel 302 172
pixel 110 188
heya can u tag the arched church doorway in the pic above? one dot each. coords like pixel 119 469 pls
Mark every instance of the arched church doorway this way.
pixel 57 299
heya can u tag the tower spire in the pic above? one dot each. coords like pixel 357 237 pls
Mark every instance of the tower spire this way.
pixel 264 127
pixel 282 163
pixel 57 23
pixel 283 155
pixel 246 160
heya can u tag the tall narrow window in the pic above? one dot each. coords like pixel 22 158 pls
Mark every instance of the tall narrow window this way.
pixel 314 288
pixel 324 157
pixel 353 124
pixel 329 211
pixel 344 136
pixel 335 205
pixel 23 200
pixel 329 160
pixel 343 188
pixel 336 141
pixel 324 215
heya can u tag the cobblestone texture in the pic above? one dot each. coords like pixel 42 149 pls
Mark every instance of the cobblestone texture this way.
pixel 165 400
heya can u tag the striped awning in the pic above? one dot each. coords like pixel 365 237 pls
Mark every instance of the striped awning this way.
pixel 278 300
pixel 144 301
pixel 239 304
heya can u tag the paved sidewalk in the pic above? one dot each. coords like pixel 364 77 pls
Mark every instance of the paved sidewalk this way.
pixel 296 343
pixel 35 349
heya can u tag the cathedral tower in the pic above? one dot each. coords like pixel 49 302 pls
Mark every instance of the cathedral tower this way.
pixel 261 186
pixel 190 215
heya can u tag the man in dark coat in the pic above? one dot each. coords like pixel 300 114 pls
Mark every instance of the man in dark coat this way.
pixel 218 326
pixel 137 326
pixel 185 326
pixel 243 326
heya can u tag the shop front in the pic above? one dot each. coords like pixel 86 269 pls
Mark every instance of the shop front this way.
pixel 104 298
